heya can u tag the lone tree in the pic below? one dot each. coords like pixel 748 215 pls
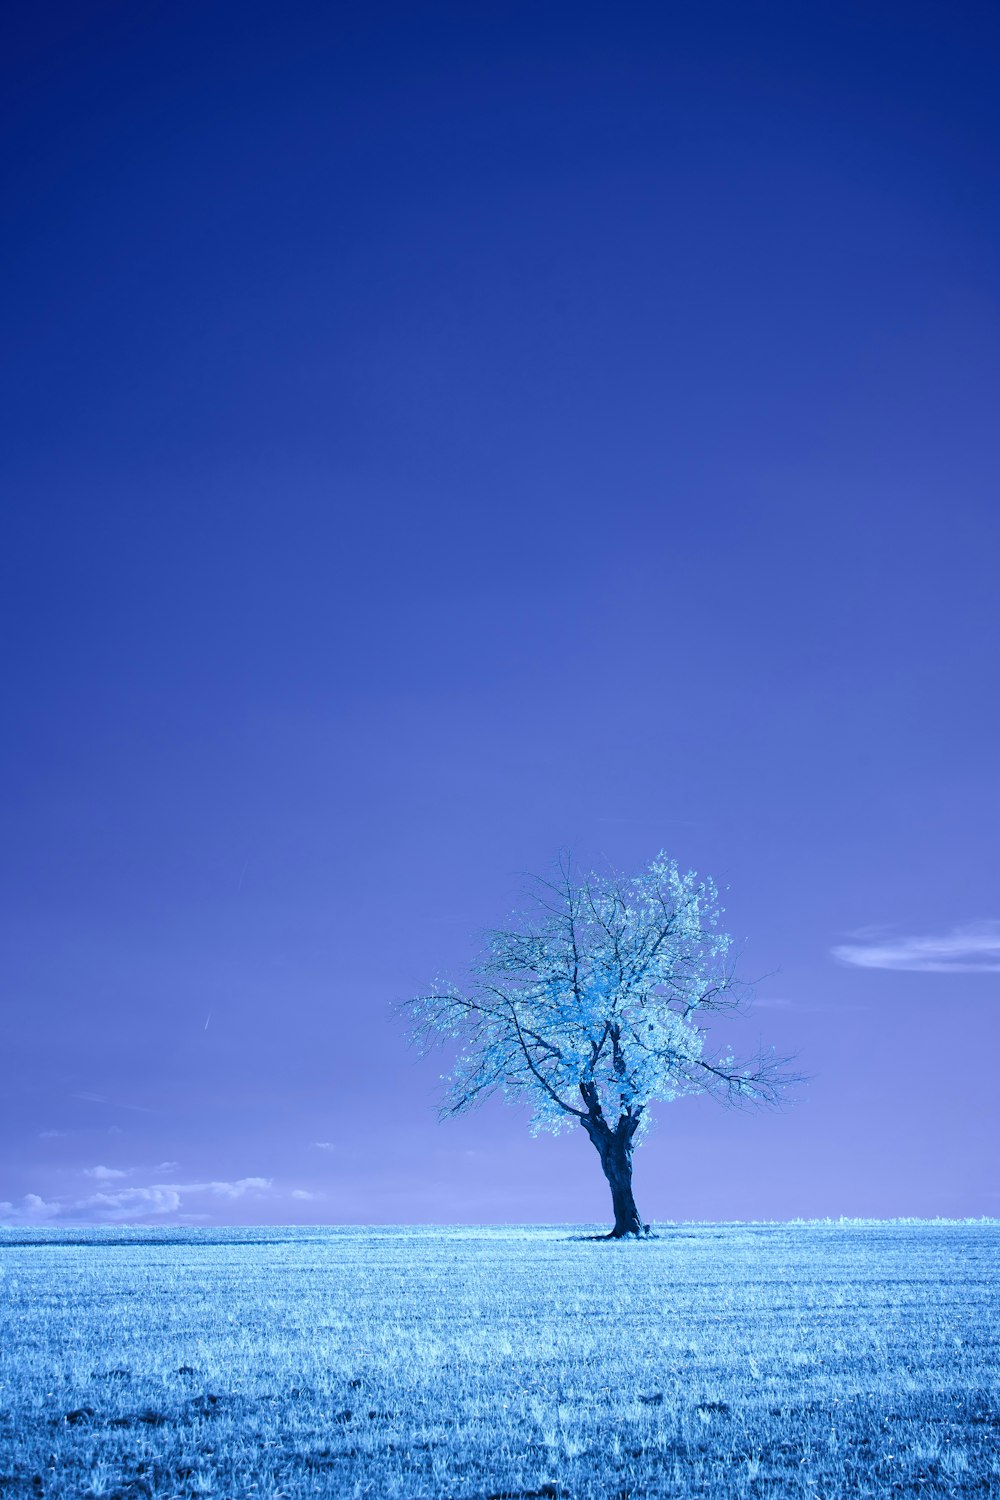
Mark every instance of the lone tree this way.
pixel 592 1005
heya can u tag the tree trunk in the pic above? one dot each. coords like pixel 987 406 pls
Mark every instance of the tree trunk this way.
pixel 615 1150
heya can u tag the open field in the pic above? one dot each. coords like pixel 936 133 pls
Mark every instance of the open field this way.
pixel 828 1359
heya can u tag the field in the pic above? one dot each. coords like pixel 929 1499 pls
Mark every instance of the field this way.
pixel 823 1359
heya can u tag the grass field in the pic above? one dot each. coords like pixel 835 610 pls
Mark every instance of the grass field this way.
pixel 828 1359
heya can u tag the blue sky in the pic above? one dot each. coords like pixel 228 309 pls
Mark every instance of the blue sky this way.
pixel 438 436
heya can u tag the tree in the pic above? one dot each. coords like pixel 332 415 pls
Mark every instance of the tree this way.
pixel 592 1005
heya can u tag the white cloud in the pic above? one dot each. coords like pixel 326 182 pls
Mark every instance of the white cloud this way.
pixel 105 1174
pixel 51 1135
pixel 229 1189
pixel 38 1205
pixel 164 1197
pixel 166 1166
pixel 324 1145
pixel 303 1196
pixel 31 1210
pixel 115 1205
pixel 131 1203
pixel 973 948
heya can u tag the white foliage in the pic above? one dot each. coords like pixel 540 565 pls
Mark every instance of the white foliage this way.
pixel 591 1004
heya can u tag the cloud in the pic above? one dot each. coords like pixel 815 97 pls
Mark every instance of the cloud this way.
pixel 166 1166
pixel 113 1206
pixel 973 948
pixel 303 1196
pixel 164 1197
pixel 38 1205
pixel 105 1174
pixel 51 1135
pixel 31 1210
pixel 90 1098
pixel 229 1189
pixel 131 1203
pixel 324 1145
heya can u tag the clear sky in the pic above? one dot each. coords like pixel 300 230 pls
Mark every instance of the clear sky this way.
pixel 435 436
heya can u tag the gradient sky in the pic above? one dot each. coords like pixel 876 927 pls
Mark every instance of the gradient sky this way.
pixel 435 436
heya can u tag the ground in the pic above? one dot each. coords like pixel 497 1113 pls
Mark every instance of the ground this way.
pixel 837 1359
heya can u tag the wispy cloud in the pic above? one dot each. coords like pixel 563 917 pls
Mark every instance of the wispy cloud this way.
pixel 229 1189
pixel 303 1196
pixel 973 948
pixel 106 1174
pixel 324 1145
pixel 89 1098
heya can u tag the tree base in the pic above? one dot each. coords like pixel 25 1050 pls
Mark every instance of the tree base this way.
pixel 645 1233
pixel 628 1234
